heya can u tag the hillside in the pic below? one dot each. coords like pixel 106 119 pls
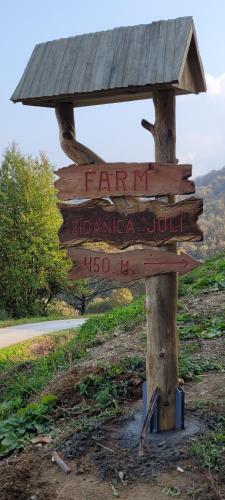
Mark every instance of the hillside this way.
pixel 211 187
pixel 79 393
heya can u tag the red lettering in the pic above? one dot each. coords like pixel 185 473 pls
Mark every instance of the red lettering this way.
pixel 124 266
pixel 76 227
pixel 107 227
pixel 152 228
pixel 105 265
pixel 88 179
pixel 104 179
pixel 86 227
pixel 162 225
pixel 87 263
pixel 120 179
pixel 96 264
pixel 96 227
pixel 114 226
pixel 138 176
pixel 129 227
pixel 174 228
pixel 119 229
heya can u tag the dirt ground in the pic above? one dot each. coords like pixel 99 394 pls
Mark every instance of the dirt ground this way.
pixel 109 467
pixel 32 476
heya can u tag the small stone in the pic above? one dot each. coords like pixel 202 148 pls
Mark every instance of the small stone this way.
pixel 162 443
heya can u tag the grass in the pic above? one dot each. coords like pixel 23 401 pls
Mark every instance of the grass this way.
pixel 27 368
pixel 191 366
pixel 209 277
pixel 193 326
pixel 23 373
pixel 210 447
pixel 120 319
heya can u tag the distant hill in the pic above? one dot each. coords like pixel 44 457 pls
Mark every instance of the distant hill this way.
pixel 210 187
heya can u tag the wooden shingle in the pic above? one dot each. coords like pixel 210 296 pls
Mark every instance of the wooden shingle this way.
pixel 111 66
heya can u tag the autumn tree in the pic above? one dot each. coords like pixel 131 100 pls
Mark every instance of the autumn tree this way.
pixel 32 268
pixel 80 293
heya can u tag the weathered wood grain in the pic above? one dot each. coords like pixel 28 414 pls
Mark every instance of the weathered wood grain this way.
pixel 113 65
pixel 161 291
pixel 122 179
pixel 128 265
pixel 153 222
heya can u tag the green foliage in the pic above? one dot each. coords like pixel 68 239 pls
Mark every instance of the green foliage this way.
pixel 32 268
pixel 17 430
pixel 122 318
pixel 171 491
pixel 191 366
pixel 121 297
pixel 33 319
pixel 106 388
pixel 209 277
pixel 211 446
pixel 21 376
pixel 194 326
pixel 99 305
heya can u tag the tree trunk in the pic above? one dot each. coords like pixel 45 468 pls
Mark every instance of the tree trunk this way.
pixel 161 291
pixel 83 305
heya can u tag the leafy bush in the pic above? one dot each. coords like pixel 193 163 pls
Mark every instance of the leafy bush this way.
pixel 99 305
pixel 121 297
pixel 17 430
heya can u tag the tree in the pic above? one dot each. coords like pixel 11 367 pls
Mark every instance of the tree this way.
pixel 121 297
pixel 32 268
pixel 82 292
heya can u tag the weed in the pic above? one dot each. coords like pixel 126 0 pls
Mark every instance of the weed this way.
pixel 211 446
pixel 16 431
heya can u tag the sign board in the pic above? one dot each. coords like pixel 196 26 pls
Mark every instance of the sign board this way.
pixel 123 179
pixel 129 265
pixel 154 222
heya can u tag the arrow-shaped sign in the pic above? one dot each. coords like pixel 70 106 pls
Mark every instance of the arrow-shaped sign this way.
pixel 129 265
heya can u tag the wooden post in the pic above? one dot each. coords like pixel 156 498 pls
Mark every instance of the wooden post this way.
pixel 161 291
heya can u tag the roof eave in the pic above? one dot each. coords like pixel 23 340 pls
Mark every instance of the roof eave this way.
pixel 104 96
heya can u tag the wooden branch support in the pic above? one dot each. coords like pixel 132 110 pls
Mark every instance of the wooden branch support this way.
pixel 61 464
pixel 146 424
pixel 77 151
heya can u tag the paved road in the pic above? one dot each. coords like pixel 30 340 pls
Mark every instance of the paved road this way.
pixel 14 334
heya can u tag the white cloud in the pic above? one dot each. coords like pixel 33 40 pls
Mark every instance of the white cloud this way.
pixel 187 157
pixel 216 85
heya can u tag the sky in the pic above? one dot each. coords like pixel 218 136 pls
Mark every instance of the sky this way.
pixel 113 131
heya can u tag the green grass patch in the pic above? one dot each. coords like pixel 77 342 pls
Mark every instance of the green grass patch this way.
pixel 209 277
pixel 121 319
pixel 30 319
pixel 192 326
pixel 190 365
pixel 211 446
pixel 16 431
pixel 23 374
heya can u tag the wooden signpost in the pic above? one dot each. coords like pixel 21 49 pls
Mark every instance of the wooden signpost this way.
pixel 127 266
pixel 153 222
pixel 159 61
pixel 123 179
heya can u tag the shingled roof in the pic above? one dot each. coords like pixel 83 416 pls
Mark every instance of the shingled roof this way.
pixel 116 65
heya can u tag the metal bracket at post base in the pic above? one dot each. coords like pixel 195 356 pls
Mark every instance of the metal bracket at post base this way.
pixel 154 422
